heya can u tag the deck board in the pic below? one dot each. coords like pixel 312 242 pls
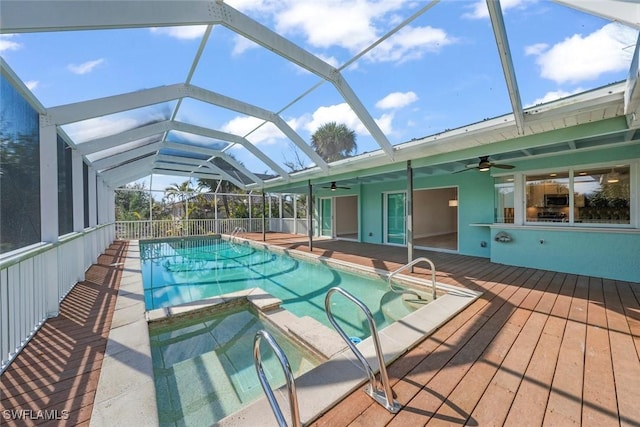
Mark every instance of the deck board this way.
pixel 59 368
pixel 537 348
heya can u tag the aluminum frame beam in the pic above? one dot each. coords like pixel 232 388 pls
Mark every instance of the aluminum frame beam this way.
pixel 111 161
pixel 84 110
pixel 187 164
pixel 40 16
pixel 213 153
pixel 497 22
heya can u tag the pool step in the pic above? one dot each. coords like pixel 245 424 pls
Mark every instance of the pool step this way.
pixel 323 341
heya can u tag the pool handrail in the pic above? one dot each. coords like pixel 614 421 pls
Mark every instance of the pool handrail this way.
pixel 409 265
pixel 385 396
pixel 237 231
pixel 291 385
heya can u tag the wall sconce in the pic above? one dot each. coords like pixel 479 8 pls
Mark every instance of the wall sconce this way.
pixel 453 203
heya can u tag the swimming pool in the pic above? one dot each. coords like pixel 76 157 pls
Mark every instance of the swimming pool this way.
pixel 179 271
pixel 203 364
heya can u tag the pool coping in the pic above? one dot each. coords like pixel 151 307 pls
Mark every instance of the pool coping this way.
pixel 126 395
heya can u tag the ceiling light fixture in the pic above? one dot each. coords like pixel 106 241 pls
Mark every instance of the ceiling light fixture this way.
pixel 613 177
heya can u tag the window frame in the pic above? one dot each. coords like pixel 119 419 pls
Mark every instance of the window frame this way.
pixel 520 198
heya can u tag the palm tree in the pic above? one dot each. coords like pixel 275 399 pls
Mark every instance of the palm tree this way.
pixel 333 141
pixel 180 192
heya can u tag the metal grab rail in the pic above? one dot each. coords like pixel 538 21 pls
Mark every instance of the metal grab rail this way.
pixel 238 230
pixel 291 385
pixel 385 396
pixel 411 264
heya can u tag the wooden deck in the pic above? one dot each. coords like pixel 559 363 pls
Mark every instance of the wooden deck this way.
pixel 538 348
pixel 53 380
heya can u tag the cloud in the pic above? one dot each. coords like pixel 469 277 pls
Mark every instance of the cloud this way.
pixel 479 8
pixel 536 49
pixel 187 32
pixel 267 133
pixel 342 113
pixel 242 44
pixel 553 95
pixel 410 43
pixel 6 44
pixel 349 24
pixel 582 58
pixel 397 100
pixel 85 67
pixel 32 84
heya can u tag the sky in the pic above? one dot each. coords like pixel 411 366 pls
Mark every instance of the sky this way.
pixel 438 72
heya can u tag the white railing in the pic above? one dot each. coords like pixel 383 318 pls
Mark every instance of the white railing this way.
pixel 135 230
pixel 34 282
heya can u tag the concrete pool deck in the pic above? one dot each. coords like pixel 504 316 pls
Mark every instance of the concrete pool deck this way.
pixel 126 391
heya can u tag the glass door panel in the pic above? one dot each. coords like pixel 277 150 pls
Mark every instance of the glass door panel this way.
pixel 396 218
pixel 326 222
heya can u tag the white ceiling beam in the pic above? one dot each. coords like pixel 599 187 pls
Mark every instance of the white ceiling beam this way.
pixel 137 168
pixel 254 111
pixel 626 12
pixel 204 175
pixel 497 22
pixel 120 180
pixel 85 110
pixel 72 15
pixel 632 90
pixel 223 136
pixel 189 164
pixel 214 153
pixel 16 82
pixel 258 33
pixel 111 161
pixel 37 16
pixel 111 141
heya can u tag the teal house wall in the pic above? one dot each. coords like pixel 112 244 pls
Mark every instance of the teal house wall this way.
pixel 612 252
pixel 608 254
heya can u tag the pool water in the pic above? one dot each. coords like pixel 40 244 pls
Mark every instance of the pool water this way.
pixel 203 365
pixel 180 271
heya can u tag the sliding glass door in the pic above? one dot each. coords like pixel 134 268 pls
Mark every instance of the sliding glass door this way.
pixel 326 215
pixel 395 209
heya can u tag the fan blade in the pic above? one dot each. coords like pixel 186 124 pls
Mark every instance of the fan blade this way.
pixel 465 170
pixel 503 166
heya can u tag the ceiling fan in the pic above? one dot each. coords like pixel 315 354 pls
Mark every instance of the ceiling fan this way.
pixel 484 165
pixel 334 187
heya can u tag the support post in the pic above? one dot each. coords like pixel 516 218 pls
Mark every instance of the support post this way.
pixel 409 213
pixel 310 216
pixel 264 217
pixel 49 211
pixel 78 191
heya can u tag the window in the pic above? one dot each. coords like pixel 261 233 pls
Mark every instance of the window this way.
pixel 65 188
pixel 19 171
pixel 505 201
pixel 599 195
pixel 85 192
pixel 603 195
pixel 547 197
